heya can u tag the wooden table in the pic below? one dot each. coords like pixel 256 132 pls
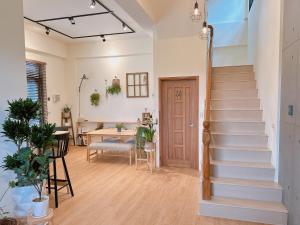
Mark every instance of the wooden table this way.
pixel 111 132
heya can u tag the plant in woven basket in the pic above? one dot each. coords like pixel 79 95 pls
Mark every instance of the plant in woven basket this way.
pixel 115 88
pixel 95 99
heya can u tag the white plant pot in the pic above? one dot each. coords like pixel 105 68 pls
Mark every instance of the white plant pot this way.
pixel 40 208
pixel 22 200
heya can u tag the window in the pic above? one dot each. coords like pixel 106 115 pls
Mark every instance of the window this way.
pixel 137 85
pixel 36 85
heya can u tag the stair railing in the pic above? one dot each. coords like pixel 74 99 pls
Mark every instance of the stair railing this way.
pixel 206 138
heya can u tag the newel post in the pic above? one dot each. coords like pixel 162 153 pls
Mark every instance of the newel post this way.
pixel 206 183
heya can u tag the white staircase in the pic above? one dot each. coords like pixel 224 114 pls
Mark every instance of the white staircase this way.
pixel 243 186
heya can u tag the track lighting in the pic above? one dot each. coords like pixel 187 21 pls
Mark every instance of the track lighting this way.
pixel 103 38
pixel 47 30
pixel 72 21
pixel 93 4
pixel 124 26
pixel 196 9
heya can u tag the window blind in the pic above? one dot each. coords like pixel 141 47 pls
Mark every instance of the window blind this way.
pixel 36 85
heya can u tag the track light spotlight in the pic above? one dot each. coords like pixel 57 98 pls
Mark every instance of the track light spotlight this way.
pixel 47 30
pixel 103 38
pixel 93 4
pixel 124 26
pixel 72 21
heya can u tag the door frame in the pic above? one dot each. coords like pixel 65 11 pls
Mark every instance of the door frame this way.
pixel 196 150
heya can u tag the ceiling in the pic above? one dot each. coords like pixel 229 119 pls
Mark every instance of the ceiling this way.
pixel 56 15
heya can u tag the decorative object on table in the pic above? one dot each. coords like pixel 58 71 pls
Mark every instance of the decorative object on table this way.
pixel 137 85
pixel 146 118
pixel 33 141
pixel 68 122
pixel 115 87
pixel 119 126
pixel 95 98
pixel 84 77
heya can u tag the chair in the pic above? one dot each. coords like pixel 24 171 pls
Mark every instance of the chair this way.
pixel 59 152
pixel 140 154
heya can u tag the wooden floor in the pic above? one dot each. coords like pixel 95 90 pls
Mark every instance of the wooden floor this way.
pixel 110 192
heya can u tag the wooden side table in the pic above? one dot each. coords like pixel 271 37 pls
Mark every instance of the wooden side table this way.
pixel 151 158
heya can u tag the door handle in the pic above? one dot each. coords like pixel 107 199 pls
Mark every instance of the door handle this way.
pixel 191 124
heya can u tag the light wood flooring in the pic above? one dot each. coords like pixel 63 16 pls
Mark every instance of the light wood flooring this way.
pixel 110 192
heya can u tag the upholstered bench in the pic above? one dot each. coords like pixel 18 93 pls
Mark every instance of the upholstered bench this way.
pixel 111 146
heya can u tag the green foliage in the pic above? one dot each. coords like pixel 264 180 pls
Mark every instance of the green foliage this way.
pixel 67 109
pixel 113 90
pixel 24 110
pixel 42 136
pixel 28 166
pixel 95 99
pixel 149 134
pixel 119 125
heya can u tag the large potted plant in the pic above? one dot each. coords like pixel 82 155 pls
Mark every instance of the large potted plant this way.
pixel 32 141
pixel 149 134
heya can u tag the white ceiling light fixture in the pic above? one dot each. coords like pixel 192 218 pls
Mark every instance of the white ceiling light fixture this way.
pixel 93 4
pixel 72 21
pixel 124 26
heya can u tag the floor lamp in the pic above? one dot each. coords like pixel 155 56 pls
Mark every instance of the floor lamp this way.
pixel 84 77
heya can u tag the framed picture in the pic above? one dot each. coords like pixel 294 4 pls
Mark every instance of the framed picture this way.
pixel 137 85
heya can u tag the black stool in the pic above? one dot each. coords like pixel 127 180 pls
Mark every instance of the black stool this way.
pixel 59 152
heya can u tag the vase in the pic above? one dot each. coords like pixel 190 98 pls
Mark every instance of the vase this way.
pixel 40 208
pixel 22 200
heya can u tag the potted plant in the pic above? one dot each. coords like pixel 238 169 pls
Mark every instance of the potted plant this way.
pixel 149 137
pixel 4 220
pixel 95 99
pixel 119 126
pixel 67 111
pixel 21 128
pixel 115 88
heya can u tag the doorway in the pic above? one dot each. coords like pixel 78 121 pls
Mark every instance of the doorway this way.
pixel 179 104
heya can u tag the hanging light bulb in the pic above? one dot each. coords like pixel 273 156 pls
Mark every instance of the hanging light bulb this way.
pixel 93 4
pixel 196 9
pixel 204 31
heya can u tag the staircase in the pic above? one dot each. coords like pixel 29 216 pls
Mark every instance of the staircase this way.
pixel 243 186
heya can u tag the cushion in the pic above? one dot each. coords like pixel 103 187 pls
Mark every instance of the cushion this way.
pixel 110 146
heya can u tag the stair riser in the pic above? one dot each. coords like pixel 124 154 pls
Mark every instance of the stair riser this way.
pixel 236 69
pixel 236 104
pixel 233 94
pixel 233 77
pixel 240 140
pixel 236 127
pixel 247 192
pixel 241 155
pixel 236 115
pixel 243 214
pixel 233 85
pixel 243 172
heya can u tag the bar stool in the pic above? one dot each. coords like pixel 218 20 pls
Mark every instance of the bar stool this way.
pixel 59 152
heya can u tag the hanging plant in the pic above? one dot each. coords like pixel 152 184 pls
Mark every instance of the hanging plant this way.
pixel 95 99
pixel 115 88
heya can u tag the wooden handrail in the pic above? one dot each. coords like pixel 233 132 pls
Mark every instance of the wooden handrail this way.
pixel 206 138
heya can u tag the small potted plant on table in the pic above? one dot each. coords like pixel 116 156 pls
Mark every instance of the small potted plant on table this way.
pixel 119 126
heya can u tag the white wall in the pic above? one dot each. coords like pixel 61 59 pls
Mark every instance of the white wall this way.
pixel 182 56
pixel 230 56
pixel 12 73
pixel 289 153
pixel 264 53
pixel 103 61
pixel 53 53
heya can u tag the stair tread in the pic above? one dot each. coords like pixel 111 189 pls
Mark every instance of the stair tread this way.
pixel 245 203
pixel 236 121
pixel 239 133
pixel 245 182
pixel 240 148
pixel 234 99
pixel 233 81
pixel 243 164
pixel 236 109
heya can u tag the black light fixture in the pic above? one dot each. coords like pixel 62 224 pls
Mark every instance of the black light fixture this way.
pixel 47 30
pixel 124 26
pixel 196 9
pixel 72 21
pixel 93 4
pixel 103 38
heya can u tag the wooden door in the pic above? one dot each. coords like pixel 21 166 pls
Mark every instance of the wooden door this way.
pixel 179 122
